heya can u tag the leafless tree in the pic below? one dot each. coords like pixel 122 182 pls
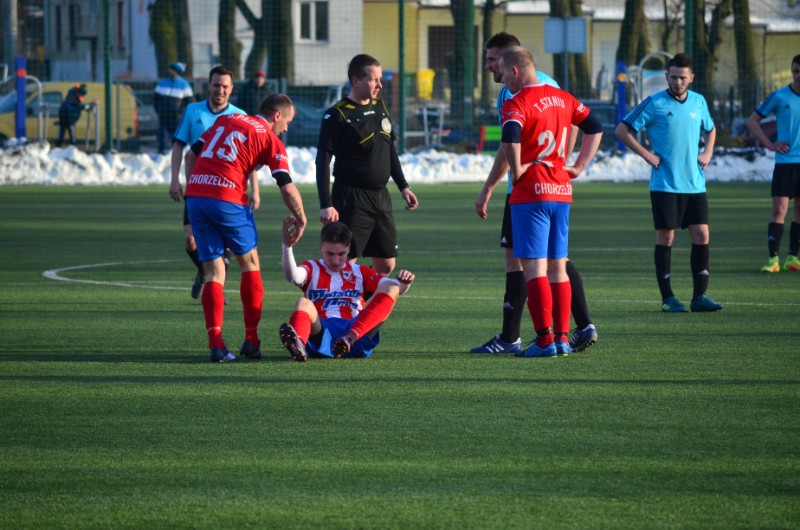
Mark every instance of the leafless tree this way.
pixel 230 48
pixel 171 34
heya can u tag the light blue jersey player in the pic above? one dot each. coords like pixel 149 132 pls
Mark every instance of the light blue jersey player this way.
pixel 679 170
pixel 196 119
pixel 784 103
pixel 675 119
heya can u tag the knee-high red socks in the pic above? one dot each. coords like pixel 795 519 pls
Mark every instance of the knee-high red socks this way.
pixel 375 312
pixel 213 301
pixel 301 322
pixel 549 306
pixel 562 303
pixel 252 292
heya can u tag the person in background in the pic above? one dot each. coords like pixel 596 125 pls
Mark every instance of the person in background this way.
pixel 170 96
pixel 219 166
pixel 675 119
pixel 253 93
pixel 70 112
pixel 784 103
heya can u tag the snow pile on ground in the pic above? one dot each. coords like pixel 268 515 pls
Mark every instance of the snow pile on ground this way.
pixel 44 165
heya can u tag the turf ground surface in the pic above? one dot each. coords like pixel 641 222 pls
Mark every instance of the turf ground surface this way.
pixel 112 416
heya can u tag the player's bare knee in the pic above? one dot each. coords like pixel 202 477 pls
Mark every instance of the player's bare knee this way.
pixel 305 305
pixel 391 289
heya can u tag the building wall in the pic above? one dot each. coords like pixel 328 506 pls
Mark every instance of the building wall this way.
pixel 315 63
pixel 326 63
pixel 382 34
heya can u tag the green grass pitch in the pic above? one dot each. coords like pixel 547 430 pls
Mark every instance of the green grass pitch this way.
pixel 112 416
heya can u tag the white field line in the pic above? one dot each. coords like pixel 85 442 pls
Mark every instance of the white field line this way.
pixel 55 275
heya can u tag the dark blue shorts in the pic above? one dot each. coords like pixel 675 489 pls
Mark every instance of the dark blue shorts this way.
pixel 218 225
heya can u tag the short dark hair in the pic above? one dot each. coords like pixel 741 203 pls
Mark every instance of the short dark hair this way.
pixel 502 40
pixel 358 65
pixel 681 60
pixel 219 70
pixel 274 103
pixel 796 59
pixel 337 232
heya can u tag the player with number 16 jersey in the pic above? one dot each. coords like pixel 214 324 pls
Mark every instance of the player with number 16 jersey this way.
pixel 545 115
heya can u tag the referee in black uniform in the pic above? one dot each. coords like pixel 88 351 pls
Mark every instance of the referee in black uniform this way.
pixel 357 131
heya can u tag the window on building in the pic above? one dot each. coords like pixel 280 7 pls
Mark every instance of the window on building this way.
pixel 314 21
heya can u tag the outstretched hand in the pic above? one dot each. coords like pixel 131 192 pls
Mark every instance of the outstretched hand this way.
pixel 292 231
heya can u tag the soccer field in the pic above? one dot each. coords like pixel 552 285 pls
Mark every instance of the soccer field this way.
pixel 112 416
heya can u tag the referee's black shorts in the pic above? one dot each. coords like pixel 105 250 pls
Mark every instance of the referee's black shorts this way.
pixel 369 215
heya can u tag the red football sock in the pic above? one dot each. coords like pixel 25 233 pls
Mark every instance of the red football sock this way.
pixel 252 292
pixel 375 312
pixel 562 301
pixel 540 306
pixel 213 301
pixel 301 322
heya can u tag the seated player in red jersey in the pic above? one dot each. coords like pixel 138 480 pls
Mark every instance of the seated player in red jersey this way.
pixel 333 319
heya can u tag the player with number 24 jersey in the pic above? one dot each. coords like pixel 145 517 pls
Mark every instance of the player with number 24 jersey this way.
pixel 542 112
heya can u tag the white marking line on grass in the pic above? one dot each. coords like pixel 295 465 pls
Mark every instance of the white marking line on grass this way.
pixel 55 274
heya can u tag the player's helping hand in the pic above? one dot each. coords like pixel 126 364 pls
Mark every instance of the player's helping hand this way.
pixel 292 231
pixel 410 198
pixel 328 215
pixel 404 276
pixel 176 191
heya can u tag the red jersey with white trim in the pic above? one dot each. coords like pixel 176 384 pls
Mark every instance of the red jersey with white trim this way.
pixel 235 146
pixel 546 115
pixel 338 294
